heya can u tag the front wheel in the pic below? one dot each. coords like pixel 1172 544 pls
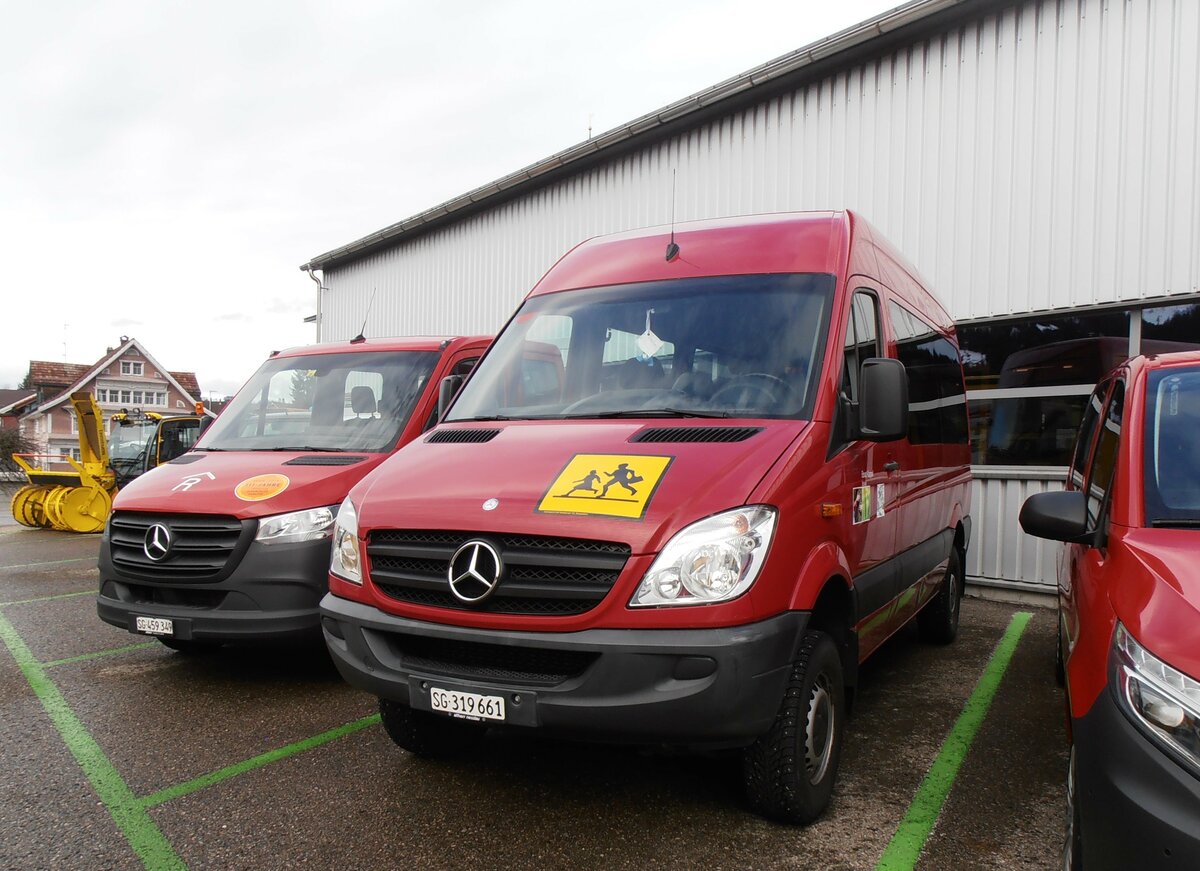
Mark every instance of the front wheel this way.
pixel 938 621
pixel 789 772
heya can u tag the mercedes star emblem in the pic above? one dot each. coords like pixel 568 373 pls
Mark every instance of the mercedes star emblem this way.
pixel 474 571
pixel 157 545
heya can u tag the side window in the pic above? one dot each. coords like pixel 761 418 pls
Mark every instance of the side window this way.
pixel 937 410
pixel 862 340
pixel 1104 458
pixel 1087 430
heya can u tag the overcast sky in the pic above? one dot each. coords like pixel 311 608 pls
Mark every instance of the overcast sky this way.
pixel 167 166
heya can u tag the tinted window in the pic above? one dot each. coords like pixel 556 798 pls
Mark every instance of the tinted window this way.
pixel 1104 458
pixel 937 404
pixel 1087 429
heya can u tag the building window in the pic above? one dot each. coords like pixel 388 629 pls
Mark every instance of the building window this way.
pixel 125 397
pixel 101 395
pixel 137 397
pixel 1029 380
pixel 131 367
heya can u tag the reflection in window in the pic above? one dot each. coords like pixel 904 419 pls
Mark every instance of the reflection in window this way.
pixel 1172 448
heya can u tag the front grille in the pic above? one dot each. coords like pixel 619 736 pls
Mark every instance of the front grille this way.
pixel 489 662
pixel 706 434
pixel 542 575
pixel 145 594
pixel 202 545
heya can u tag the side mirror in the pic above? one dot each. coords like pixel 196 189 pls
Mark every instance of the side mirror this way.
pixel 1058 516
pixel 446 392
pixel 882 400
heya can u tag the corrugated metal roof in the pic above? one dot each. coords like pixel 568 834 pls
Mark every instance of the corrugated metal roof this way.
pixel 720 97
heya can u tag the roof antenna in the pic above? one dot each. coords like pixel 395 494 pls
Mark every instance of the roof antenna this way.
pixel 361 337
pixel 672 248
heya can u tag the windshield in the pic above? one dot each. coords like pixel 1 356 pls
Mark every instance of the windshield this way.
pixel 324 402
pixel 1172 461
pixel 731 346
pixel 127 442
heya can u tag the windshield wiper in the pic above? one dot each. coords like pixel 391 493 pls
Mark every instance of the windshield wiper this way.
pixel 304 448
pixel 1179 522
pixel 647 412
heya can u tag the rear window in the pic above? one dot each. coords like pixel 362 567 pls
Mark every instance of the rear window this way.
pixel 1172 446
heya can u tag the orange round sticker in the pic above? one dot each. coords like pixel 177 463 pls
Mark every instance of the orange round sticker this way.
pixel 261 487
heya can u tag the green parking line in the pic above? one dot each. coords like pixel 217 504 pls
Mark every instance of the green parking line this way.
pixel 206 780
pixel 53 562
pixel 905 847
pixel 102 653
pixel 49 598
pixel 131 818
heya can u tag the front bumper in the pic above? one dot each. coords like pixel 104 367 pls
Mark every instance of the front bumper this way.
pixel 271 594
pixel 1139 807
pixel 689 687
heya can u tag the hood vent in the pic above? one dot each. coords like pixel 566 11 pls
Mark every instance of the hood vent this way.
pixel 184 459
pixel 325 460
pixel 461 436
pixel 692 434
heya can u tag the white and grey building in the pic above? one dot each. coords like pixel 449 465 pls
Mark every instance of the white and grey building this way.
pixel 1036 160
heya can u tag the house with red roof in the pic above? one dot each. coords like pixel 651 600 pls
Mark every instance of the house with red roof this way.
pixel 125 378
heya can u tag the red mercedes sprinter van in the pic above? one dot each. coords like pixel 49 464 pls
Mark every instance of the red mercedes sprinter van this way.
pixel 230 541
pixel 1129 617
pixel 754 471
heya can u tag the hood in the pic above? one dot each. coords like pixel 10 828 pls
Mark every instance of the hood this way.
pixel 1157 596
pixel 246 484
pixel 578 479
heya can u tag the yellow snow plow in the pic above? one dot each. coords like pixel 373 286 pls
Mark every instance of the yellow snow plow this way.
pixel 77 498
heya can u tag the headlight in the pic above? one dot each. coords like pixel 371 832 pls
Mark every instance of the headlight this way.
pixel 345 562
pixel 713 560
pixel 1164 702
pixel 308 525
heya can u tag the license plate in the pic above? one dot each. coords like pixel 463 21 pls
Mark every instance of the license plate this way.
pixel 154 626
pixel 470 706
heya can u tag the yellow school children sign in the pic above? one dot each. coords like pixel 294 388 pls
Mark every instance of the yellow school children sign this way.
pixel 615 485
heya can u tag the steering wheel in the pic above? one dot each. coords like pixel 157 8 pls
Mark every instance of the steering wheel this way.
pixel 752 390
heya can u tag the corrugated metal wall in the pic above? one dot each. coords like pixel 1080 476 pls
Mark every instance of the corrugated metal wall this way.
pixel 1041 157
pixel 1000 553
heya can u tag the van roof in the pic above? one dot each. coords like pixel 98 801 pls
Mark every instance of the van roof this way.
pixel 779 243
pixel 398 343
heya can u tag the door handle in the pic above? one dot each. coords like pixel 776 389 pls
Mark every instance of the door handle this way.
pixel 891 466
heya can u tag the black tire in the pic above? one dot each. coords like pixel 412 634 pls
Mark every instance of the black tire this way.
pixel 1073 845
pixel 938 621
pixel 789 772
pixel 426 734
pixel 189 648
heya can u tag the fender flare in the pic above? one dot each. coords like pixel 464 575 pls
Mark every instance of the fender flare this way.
pixel 825 561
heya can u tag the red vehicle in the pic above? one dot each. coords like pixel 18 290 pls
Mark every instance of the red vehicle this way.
pixel 230 541
pixel 1129 593
pixel 693 536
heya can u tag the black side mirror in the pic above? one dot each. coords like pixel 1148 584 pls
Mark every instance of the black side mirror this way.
pixel 1058 516
pixel 882 400
pixel 446 392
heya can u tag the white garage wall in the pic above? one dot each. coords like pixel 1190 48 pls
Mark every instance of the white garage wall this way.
pixel 1041 157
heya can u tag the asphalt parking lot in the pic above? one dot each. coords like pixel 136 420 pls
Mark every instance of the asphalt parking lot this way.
pixel 119 753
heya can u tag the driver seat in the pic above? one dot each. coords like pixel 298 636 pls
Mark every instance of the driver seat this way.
pixel 362 402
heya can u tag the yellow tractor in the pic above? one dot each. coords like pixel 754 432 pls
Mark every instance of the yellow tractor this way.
pixel 79 498
pixel 138 441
